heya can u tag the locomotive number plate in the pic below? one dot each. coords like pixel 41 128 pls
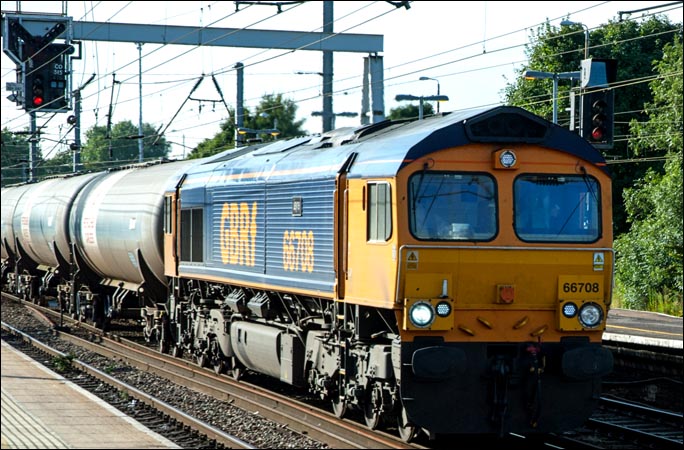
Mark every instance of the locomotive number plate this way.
pixel 580 287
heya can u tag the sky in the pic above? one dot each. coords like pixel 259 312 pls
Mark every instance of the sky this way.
pixel 471 49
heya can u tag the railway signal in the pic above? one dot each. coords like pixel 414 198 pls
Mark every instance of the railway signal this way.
pixel 34 90
pixel 598 101
pixel 44 64
pixel 598 117
pixel 46 86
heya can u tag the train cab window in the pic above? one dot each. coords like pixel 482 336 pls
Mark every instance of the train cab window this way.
pixel 557 208
pixel 192 235
pixel 379 212
pixel 452 206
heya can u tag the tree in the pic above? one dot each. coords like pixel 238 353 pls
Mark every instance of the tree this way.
pixel 62 163
pixel 410 111
pixel 276 112
pixel 223 140
pixel 121 146
pixel 649 256
pixel 14 158
pixel 635 45
pixel 273 112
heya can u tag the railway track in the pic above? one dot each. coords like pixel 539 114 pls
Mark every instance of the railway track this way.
pixel 304 419
pixel 611 421
pixel 650 427
pixel 155 414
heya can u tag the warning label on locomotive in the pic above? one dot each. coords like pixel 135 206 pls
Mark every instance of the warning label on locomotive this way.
pixel 412 260
pixel 599 261
pixel 580 287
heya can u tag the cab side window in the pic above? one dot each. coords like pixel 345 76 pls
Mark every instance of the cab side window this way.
pixel 379 212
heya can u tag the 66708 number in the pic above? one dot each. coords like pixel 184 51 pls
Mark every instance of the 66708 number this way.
pixel 581 287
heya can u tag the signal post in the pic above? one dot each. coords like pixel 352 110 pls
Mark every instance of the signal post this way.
pixel 597 124
pixel 43 67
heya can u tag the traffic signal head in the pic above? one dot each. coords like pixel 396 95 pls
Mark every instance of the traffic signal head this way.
pixel 598 118
pixel 46 84
pixel 37 91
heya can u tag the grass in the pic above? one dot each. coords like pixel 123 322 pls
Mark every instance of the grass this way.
pixel 666 303
pixel 63 363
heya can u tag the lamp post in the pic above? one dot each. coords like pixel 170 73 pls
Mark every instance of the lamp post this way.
pixel 534 74
pixel 421 98
pixel 566 23
pixel 328 121
pixel 433 79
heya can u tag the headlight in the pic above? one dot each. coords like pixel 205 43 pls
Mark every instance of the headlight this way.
pixel 569 310
pixel 507 159
pixel 443 309
pixel 422 314
pixel 590 315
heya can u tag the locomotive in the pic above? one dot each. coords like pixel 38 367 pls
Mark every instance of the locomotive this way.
pixel 450 275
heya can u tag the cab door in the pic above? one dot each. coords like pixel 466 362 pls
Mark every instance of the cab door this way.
pixel 170 234
pixel 371 260
pixel 341 224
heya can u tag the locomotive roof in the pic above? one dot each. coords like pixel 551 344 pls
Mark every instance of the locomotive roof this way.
pixel 382 149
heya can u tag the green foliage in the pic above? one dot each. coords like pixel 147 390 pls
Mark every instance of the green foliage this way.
pixel 663 132
pixel 276 112
pixel 649 257
pixel 62 163
pixel 273 112
pixel 120 147
pixel 635 45
pixel 14 158
pixel 648 124
pixel 63 364
pixel 223 140
pixel 95 154
pixel 552 50
pixel 410 111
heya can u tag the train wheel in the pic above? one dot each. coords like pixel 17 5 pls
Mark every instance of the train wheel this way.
pixel 163 346
pixel 219 367
pixel 176 351
pixel 339 406
pixel 202 360
pixel 217 359
pixel 407 431
pixel 371 410
pixel 238 370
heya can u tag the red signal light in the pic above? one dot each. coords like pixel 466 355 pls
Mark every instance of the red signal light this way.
pixel 599 119
pixel 597 134
pixel 37 89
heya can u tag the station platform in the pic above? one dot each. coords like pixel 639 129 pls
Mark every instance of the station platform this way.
pixel 644 328
pixel 41 409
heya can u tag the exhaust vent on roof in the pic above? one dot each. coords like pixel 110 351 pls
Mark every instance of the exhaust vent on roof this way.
pixel 507 127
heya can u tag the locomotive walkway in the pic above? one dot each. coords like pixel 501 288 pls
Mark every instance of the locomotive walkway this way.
pixel 41 409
